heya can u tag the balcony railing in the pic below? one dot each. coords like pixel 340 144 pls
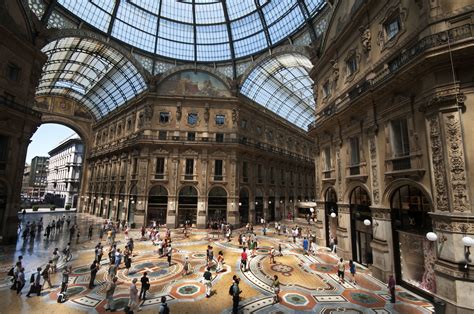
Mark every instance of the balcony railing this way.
pixel 408 165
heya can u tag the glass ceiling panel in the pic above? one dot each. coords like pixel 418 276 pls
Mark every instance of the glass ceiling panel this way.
pixel 146 24
pixel 282 85
pixel 90 72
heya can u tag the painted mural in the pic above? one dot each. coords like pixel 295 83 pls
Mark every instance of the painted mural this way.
pixel 191 83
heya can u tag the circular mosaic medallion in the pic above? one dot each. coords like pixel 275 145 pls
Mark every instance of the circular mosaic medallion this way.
pixel 363 297
pixel 198 255
pixel 323 268
pixel 187 290
pixel 72 291
pixel 295 299
pixel 263 251
pixel 81 270
pixel 281 268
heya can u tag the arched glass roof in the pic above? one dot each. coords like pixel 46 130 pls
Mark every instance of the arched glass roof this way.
pixel 197 30
pixel 282 85
pixel 90 72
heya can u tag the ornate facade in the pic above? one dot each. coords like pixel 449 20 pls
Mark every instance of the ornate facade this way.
pixel 393 141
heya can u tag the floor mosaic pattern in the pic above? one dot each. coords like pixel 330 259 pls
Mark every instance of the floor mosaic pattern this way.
pixel 308 283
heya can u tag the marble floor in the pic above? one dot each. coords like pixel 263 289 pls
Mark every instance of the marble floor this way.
pixel 308 283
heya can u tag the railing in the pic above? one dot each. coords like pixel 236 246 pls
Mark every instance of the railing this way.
pixel 354 170
pixel 401 163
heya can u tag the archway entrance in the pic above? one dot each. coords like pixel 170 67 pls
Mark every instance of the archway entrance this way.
pixel 187 205
pixel 359 204
pixel 157 205
pixel 121 202
pixel 3 201
pixel 414 254
pixel 330 208
pixel 217 205
pixel 244 206
pixel 131 204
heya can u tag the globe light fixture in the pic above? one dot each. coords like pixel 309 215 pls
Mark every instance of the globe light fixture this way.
pixel 367 222
pixel 333 215
pixel 431 236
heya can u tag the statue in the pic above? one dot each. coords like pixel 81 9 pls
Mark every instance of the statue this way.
pixel 365 37
pixel 148 112
pixel 206 113
pixel 179 113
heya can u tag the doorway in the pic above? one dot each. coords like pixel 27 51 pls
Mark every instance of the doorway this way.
pixel 361 234
pixel 187 206
pixel 330 208
pixel 157 205
pixel 217 205
pixel 244 206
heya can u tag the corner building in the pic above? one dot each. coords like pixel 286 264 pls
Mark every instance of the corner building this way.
pixel 393 140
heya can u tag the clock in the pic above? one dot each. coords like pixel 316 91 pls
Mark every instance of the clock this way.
pixel 192 118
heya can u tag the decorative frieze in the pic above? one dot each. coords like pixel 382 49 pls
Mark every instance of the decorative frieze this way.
pixel 457 166
pixel 437 159
pixel 339 174
pixel 380 213
pixel 373 170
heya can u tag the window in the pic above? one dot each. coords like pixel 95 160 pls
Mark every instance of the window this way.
pixel 160 168
pixel 9 98
pixel 218 170
pixel 270 135
pixel 219 137
pixel 3 151
pixel 292 181
pixel 259 129
pixel 135 166
pixel 272 175
pixel 354 144
pixel 351 65
pixel 282 176
pixel 327 159
pixel 243 124
pixel 259 173
pixel 129 124
pixel 399 138
pixel 245 169
pixel 164 117
pixel 392 27
pixel 326 89
pixel 191 136
pixel 13 72
pixel 192 118
pixel 220 119
pixel 189 169
pixel 162 135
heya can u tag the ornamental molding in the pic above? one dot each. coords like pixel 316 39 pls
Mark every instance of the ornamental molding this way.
pixel 381 213
pixel 437 158
pixel 373 170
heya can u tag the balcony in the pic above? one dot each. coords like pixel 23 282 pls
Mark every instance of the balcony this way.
pixel 189 178
pixel 159 177
pixel 357 172
pixel 245 179
pixel 218 178
pixel 329 175
pixel 409 165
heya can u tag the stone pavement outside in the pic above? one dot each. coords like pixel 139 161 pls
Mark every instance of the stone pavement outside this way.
pixel 308 282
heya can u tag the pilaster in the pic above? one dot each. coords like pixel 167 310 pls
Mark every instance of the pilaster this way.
pixel 382 243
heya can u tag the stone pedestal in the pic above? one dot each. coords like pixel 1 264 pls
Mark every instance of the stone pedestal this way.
pixel 382 245
pixel 201 219
pixel 344 245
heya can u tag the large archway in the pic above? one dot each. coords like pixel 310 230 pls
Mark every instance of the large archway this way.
pixel 271 206
pixel 131 204
pixel 244 206
pixel 187 206
pixel 361 234
pixel 217 205
pixel 258 206
pixel 331 210
pixel 157 205
pixel 414 255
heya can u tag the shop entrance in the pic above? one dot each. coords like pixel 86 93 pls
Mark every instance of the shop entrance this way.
pixel 217 205
pixel 361 234
pixel 157 205
pixel 187 206
pixel 330 208
pixel 243 206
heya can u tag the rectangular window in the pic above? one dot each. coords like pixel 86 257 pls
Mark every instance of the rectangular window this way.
pixel 245 169
pixel 218 170
pixel 392 27
pixel 272 175
pixel 189 171
pixel 220 119
pixel 327 158
pixel 160 168
pixel 326 89
pixel 164 117
pixel 259 173
pixel 351 65
pixel 13 72
pixel 191 136
pixel 243 124
pixel 162 135
pixel 399 138
pixel 355 157
pixel 282 176
pixel 292 182
pixel 135 166
pixel 219 137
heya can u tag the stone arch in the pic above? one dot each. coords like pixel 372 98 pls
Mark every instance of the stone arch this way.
pixel 158 185
pixel 55 34
pixel 395 184
pixel 197 68
pixel 83 129
pixel 350 187
pixel 281 50
pixel 217 186
pixel 324 189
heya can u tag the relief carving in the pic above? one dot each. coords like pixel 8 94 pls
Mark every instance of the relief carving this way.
pixel 335 70
pixel 373 169
pixel 339 175
pixel 441 194
pixel 365 37
pixel 179 112
pixel 457 165
pixel 206 113
pixel 148 112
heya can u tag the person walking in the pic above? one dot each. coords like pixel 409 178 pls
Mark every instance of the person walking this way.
pixel 272 255
pixel 55 259
pixel 112 272
pixel 164 309
pixel 276 288
pixel 134 301
pixel 35 284
pixel 352 269
pixel 208 281
pixel 89 235
pixel 20 280
pixel 109 294
pixel 340 270
pixel 118 258
pixel 46 274
pixel 305 245
pixel 235 295
pixel 168 254
pixel 94 269
pixel 145 286
pixel 185 267
pixel 65 279
pixel 127 259
pixel 391 287
pixel 220 262
pixel 243 260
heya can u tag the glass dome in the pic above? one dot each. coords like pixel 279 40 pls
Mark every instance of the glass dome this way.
pixel 197 30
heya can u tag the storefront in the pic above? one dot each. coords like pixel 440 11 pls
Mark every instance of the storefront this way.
pixel 157 205
pixel 187 206
pixel 217 205
pixel 331 210
pixel 361 226
pixel 244 206
pixel 414 255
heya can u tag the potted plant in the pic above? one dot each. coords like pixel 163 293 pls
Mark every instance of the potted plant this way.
pixel 35 208
pixel 52 208
pixel 68 207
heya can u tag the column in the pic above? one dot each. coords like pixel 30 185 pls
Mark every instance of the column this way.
pixel 382 243
pixel 233 210
pixel 201 212
pixel 320 224
pixel 266 213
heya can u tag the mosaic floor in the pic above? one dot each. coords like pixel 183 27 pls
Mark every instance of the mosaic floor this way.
pixel 308 283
